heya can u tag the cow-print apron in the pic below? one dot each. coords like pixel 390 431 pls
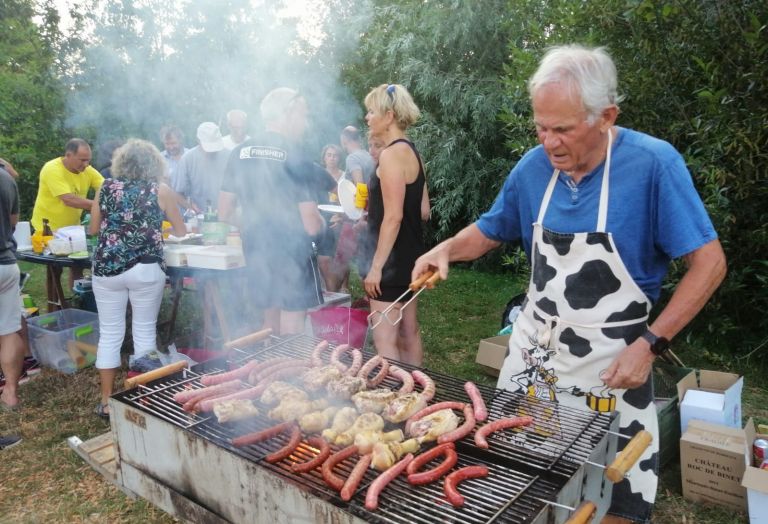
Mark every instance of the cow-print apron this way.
pixel 582 308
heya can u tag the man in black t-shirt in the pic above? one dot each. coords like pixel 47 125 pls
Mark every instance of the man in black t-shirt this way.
pixel 275 185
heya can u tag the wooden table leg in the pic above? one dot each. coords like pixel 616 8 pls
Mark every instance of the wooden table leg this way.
pixel 56 299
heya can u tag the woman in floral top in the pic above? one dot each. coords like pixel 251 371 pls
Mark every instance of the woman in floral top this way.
pixel 127 215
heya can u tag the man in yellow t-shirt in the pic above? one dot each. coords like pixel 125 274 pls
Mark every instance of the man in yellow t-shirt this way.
pixel 64 184
pixel 62 195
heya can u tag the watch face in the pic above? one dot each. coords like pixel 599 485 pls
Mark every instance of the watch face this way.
pixel 660 346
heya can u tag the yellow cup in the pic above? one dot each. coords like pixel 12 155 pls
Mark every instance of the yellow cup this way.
pixel 361 195
pixel 37 243
pixel 166 229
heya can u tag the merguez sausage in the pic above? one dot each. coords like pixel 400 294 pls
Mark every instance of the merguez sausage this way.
pixel 370 366
pixel 497 425
pixel 431 409
pixel 332 479
pixel 427 384
pixel 431 475
pixel 354 479
pixel 286 450
pixel 250 393
pixel 452 480
pixel 376 487
pixel 260 436
pixel 357 362
pixel 481 412
pixel 324 453
pixel 423 458
pixel 463 430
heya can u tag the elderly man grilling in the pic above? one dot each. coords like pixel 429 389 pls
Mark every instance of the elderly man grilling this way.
pixel 601 210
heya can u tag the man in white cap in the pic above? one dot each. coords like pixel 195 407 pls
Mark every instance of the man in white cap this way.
pixel 200 171
pixel 237 123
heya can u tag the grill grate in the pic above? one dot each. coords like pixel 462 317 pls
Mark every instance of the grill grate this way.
pixel 526 465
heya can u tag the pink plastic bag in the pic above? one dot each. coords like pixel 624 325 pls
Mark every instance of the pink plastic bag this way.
pixel 340 325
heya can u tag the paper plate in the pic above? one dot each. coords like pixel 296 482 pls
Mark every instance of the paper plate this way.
pixel 330 208
pixel 347 190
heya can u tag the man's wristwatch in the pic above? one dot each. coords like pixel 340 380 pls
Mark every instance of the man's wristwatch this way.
pixel 659 345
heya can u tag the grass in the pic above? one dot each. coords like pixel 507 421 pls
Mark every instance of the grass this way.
pixel 42 480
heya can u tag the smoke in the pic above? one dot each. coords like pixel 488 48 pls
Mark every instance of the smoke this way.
pixel 148 63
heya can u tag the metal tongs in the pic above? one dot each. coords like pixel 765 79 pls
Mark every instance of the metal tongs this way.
pixel 427 280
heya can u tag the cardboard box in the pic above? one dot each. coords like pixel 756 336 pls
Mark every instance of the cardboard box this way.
pixel 755 480
pixel 491 353
pixel 715 397
pixel 712 464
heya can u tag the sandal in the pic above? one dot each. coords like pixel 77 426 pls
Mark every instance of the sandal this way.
pixel 100 411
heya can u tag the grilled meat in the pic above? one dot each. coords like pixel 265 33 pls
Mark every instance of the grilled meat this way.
pixel 317 378
pixel 365 422
pixel 345 387
pixel 238 409
pixel 342 420
pixel 433 425
pixel 366 439
pixel 290 409
pixel 317 421
pixel 401 408
pixel 373 401
pixel 279 391
pixel 385 454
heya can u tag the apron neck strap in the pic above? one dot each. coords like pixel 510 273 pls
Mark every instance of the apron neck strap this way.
pixel 602 212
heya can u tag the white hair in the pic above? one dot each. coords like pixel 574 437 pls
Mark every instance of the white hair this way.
pixel 586 72
pixel 275 106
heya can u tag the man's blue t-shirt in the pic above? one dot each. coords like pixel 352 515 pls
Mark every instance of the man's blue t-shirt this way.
pixel 654 212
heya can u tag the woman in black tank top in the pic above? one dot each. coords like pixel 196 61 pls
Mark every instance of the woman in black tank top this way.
pixel 398 203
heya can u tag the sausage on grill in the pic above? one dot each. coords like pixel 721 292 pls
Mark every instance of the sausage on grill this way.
pixel 317 353
pixel 497 425
pixel 463 430
pixel 376 487
pixel 481 412
pixel 236 374
pixel 403 376
pixel 354 479
pixel 261 436
pixel 293 443
pixel 324 453
pixel 425 477
pixel 331 478
pixel 452 480
pixel 369 366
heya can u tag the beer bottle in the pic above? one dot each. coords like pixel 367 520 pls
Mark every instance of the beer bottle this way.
pixel 47 228
pixel 210 214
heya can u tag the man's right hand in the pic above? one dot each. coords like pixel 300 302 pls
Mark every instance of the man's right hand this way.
pixel 436 259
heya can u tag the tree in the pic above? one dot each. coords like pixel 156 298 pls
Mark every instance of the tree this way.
pixel 31 98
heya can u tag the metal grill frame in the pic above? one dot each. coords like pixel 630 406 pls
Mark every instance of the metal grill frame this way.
pixel 536 477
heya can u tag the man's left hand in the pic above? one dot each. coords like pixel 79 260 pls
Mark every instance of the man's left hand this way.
pixel 631 368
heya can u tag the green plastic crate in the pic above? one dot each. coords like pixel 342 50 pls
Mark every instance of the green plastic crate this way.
pixel 665 379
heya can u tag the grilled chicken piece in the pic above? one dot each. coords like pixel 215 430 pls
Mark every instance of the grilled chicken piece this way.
pixel 435 424
pixel 279 391
pixel 365 422
pixel 342 420
pixel 290 409
pixel 366 439
pixel 400 409
pixel 238 409
pixel 385 454
pixel 373 401
pixel 317 421
pixel 345 387
pixel 316 378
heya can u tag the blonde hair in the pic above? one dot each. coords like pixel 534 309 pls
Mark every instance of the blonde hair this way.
pixel 395 98
pixel 138 160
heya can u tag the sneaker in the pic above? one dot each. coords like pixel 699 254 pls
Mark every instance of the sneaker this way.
pixel 145 363
pixel 8 441
pixel 31 366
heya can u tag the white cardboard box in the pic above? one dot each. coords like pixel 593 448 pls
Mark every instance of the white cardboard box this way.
pixel 756 482
pixel 715 397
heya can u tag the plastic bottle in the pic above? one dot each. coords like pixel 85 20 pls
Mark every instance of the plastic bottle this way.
pixel 47 228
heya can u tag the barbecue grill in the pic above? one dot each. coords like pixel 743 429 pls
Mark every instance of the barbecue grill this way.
pixel 186 464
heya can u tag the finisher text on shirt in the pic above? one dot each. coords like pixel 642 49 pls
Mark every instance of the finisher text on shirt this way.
pixel 263 153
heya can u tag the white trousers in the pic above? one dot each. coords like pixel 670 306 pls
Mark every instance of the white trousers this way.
pixel 143 285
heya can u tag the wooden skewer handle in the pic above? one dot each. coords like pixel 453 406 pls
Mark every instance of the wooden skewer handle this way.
pixel 428 280
pixel 248 339
pixel 155 374
pixel 583 514
pixel 628 456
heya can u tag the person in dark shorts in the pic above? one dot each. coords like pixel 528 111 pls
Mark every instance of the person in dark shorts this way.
pixel 275 184
pixel 398 204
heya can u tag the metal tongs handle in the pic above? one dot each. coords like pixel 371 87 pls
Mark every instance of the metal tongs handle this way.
pixel 427 280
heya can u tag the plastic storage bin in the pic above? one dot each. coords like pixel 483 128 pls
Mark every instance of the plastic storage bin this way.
pixel 216 257
pixel 65 340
